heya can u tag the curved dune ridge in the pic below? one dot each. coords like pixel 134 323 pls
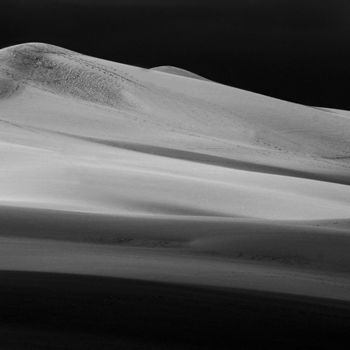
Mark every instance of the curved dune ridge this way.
pixel 178 71
pixel 198 174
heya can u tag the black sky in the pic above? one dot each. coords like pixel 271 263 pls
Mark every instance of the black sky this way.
pixel 296 50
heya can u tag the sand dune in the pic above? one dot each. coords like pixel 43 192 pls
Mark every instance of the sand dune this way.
pixel 114 170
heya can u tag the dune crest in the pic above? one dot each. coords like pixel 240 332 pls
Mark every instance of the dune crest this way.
pixel 178 71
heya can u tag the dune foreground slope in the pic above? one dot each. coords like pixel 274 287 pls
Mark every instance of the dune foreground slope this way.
pixel 156 197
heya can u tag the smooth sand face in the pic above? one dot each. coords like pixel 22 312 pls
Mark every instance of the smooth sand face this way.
pixel 181 180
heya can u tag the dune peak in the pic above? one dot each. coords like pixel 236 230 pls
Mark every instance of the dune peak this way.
pixel 179 71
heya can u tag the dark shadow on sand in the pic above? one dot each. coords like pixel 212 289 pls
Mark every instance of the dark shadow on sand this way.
pixel 61 311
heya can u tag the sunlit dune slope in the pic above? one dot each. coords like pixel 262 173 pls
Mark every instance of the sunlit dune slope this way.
pixel 85 133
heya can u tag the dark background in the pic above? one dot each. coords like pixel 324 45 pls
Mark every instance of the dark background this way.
pixel 298 50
